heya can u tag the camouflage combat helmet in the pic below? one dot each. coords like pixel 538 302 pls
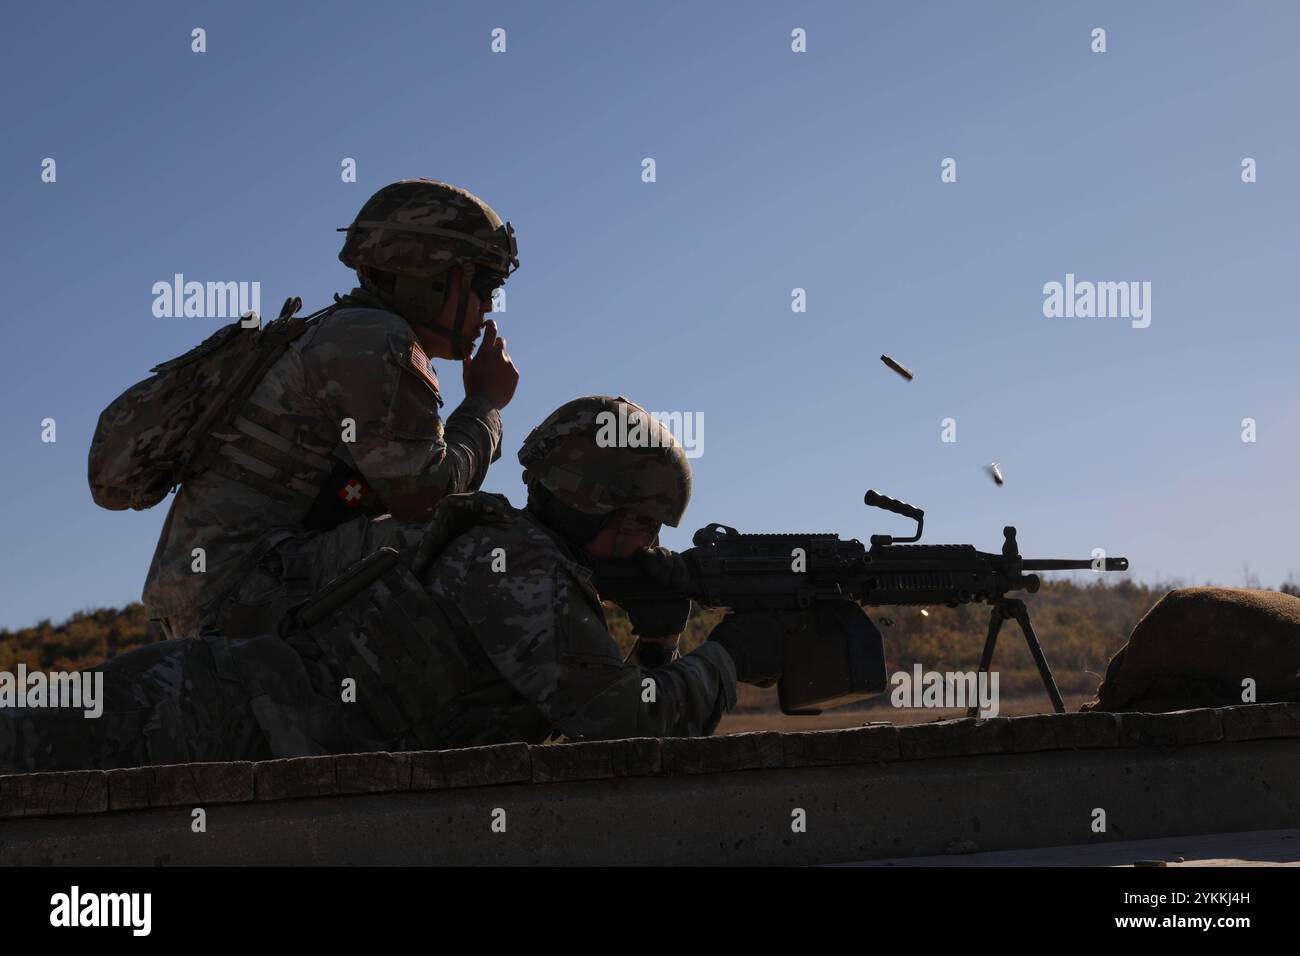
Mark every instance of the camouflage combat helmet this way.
pixel 599 454
pixel 416 230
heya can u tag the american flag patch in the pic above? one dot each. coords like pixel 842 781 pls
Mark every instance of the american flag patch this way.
pixel 420 362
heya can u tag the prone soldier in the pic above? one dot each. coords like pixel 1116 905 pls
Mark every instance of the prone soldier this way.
pixel 487 629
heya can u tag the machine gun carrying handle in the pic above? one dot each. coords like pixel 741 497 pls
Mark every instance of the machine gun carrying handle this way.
pixel 873 500
pixel 894 505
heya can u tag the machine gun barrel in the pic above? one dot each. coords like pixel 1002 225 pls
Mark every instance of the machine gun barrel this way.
pixel 1055 564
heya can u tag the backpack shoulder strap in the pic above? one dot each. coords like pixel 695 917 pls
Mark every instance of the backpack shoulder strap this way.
pixel 272 342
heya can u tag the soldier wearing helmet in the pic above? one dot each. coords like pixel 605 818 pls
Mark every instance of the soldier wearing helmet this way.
pixel 345 427
pixel 503 636
pixel 417 245
pixel 487 629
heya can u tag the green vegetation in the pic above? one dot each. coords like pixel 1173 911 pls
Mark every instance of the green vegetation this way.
pixel 86 638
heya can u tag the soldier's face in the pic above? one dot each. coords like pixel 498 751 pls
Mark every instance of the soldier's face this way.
pixel 623 536
pixel 437 346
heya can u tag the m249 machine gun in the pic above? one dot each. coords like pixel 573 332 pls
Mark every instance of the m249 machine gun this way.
pixel 781 573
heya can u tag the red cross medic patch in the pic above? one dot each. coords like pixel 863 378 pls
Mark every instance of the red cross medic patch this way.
pixel 352 493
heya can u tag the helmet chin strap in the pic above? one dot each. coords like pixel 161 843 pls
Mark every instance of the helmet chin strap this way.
pixel 461 344
pixel 420 304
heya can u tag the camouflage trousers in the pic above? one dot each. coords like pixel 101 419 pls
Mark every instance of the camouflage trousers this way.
pixel 391 667
pixel 182 701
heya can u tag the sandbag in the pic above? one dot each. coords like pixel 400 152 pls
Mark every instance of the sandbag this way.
pixel 1197 646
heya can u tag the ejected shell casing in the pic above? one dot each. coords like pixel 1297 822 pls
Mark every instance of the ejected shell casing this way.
pixel 995 472
pixel 906 373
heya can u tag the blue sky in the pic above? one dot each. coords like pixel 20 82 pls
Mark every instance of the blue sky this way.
pixel 775 170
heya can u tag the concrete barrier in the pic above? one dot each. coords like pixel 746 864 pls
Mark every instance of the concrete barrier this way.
pixel 762 798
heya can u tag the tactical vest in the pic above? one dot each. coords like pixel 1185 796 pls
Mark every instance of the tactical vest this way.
pixel 289 461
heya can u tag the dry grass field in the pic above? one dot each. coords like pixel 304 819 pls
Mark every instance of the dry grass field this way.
pixel 746 721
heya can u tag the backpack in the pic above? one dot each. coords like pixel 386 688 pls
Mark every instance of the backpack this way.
pixel 149 436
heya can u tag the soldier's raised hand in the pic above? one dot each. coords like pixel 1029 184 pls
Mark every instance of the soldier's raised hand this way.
pixel 491 373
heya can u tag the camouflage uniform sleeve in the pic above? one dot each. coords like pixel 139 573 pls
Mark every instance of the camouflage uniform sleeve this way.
pixel 367 370
pixel 545 632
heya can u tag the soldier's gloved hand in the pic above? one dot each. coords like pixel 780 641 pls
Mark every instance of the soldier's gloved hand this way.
pixel 756 642
pixel 670 569
pixel 658 617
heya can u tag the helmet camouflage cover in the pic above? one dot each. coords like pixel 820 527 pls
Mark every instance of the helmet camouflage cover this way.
pixel 421 227
pixel 599 454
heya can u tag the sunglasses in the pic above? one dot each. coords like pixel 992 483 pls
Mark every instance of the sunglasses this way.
pixel 485 283
pixel 631 522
